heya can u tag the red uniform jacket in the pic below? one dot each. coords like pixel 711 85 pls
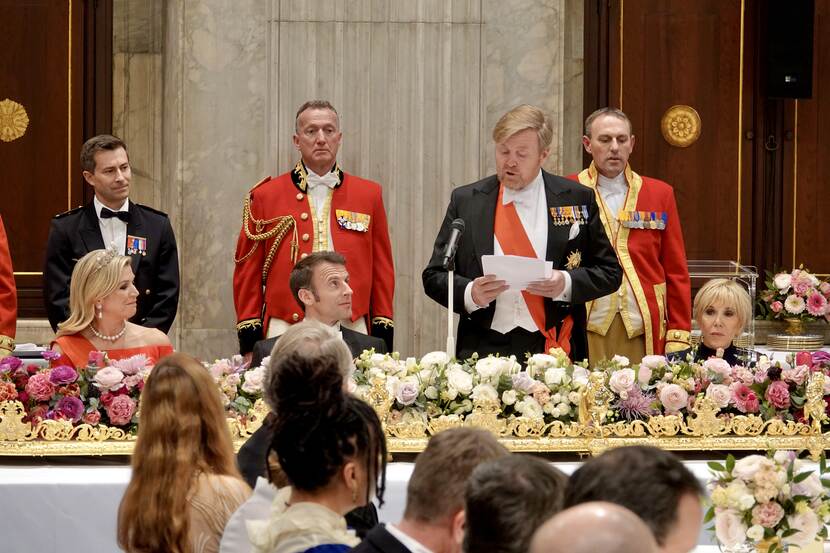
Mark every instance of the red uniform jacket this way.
pixel 279 227
pixel 653 259
pixel 8 296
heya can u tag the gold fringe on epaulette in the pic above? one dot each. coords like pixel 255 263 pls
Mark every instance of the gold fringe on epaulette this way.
pixel 281 225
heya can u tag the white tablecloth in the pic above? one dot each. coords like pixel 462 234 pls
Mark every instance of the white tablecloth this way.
pixel 68 509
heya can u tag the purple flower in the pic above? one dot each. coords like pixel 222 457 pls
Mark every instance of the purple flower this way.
pixel 50 355
pixel 63 374
pixel 9 364
pixel 637 405
pixel 523 382
pixel 818 357
pixel 70 407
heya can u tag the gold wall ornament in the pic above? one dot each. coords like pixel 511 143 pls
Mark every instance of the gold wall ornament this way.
pixel 13 120
pixel 680 126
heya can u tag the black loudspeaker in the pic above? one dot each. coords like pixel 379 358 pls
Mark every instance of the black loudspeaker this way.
pixel 789 48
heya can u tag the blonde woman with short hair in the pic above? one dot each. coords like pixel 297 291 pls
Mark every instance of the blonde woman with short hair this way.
pixel 102 298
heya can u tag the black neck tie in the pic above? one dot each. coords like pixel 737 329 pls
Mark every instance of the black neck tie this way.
pixel 107 213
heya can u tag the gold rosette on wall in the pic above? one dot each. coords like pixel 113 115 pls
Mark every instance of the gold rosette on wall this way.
pixel 13 120
pixel 680 126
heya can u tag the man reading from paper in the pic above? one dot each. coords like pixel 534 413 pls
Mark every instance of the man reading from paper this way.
pixel 525 211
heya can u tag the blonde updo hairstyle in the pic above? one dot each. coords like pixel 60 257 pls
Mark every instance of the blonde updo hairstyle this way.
pixel 726 292
pixel 94 277
pixel 521 118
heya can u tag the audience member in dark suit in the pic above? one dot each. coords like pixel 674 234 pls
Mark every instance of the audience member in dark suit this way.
pixel 434 516
pixel 507 499
pixel 111 219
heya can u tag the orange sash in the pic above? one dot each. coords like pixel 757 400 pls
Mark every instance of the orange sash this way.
pixel 514 241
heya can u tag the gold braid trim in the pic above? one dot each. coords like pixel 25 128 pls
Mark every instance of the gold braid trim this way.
pixel 281 225
pixel 384 322
pixel 249 323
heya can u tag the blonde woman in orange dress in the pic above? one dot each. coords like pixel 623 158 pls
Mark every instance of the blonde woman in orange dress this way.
pixel 102 298
pixel 185 484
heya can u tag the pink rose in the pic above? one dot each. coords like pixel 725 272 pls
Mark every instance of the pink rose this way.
pixel 742 375
pixel 644 373
pixel 121 410
pixel 96 359
pixel 92 418
pixel 674 398
pixel 718 366
pixel 132 381
pixel 622 380
pixel 39 387
pixel 776 306
pixel 720 394
pixel 768 514
pixel 797 375
pixel 744 398
pixel 824 288
pixel 108 378
pixel 778 394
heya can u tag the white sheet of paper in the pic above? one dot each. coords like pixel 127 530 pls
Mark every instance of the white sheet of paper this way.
pixel 516 270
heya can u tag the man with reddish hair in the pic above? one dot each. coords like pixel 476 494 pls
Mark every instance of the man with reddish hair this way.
pixel 8 297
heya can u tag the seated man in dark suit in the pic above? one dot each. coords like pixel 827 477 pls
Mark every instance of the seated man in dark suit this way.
pixel 434 516
pixel 320 284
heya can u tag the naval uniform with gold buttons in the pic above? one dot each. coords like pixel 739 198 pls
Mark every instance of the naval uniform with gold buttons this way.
pixel 286 218
pixel 147 237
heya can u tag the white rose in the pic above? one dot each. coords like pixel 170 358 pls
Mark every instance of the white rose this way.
pixel 555 412
pixel 426 376
pixel 554 376
pixel 574 397
pixel 540 362
pixel 622 380
pixel 810 486
pixel 755 532
pixel 485 392
pixel 621 360
pixel 266 361
pixel 508 397
pixel 377 358
pixel 746 467
pixel 729 528
pixel 449 394
pixel 411 363
pixel 407 392
pixel 254 380
pixel 782 281
pixel 580 376
pixel 460 380
pixel 431 392
pixel 808 525
pixel 434 359
pixel 782 457
pixel 530 408
pixel 654 361
pixel 720 394
pixel 491 368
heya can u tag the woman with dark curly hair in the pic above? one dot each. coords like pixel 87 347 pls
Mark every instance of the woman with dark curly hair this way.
pixel 331 447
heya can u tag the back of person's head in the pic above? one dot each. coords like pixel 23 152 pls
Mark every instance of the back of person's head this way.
pixel 319 428
pixel 95 276
pixel 652 483
pixel 507 499
pixel 183 433
pixel 594 527
pixel 436 488
pixel 308 339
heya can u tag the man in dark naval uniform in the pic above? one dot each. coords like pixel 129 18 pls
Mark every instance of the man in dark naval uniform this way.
pixel 112 220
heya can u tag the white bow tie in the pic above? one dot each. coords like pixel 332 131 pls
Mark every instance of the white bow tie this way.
pixel 329 179
pixel 522 196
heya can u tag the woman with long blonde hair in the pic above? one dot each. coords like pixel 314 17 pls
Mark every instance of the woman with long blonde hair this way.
pixel 185 484
pixel 102 298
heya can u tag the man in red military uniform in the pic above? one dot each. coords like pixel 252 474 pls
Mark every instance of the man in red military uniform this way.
pixel 651 311
pixel 314 207
pixel 8 297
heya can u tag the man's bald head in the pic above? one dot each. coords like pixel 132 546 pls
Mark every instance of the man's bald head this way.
pixel 591 527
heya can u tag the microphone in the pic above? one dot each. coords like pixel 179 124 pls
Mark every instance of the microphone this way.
pixel 452 244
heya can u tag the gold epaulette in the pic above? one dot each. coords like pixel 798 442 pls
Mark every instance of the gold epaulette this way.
pixel 383 321
pixel 254 187
pixel 677 340
pixel 279 227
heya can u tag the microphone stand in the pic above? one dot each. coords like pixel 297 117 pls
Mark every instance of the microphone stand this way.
pixel 450 290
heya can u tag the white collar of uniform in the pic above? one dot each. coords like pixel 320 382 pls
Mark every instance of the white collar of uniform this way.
pixel 330 179
pixel 615 184
pixel 526 195
pixel 408 541
pixel 99 206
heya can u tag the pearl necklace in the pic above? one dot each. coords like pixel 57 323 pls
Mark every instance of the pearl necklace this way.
pixel 112 338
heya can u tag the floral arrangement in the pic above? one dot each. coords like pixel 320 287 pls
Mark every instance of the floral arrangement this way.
pixel 239 385
pixel 658 387
pixel 104 391
pixel 770 502
pixel 548 389
pixel 799 294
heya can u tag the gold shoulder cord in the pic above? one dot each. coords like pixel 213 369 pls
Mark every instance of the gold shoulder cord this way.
pixel 282 224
